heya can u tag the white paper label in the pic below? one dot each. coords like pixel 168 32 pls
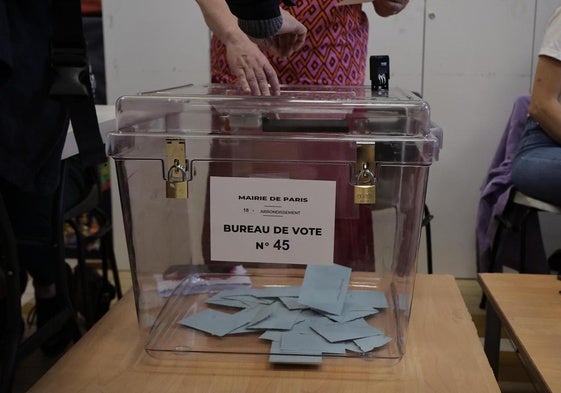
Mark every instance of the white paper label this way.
pixel 272 220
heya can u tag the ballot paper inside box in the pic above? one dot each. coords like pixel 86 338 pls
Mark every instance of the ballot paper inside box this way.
pixel 225 198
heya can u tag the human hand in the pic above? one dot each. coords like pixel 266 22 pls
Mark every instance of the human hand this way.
pixel 389 7
pixel 289 39
pixel 252 68
pixel 250 65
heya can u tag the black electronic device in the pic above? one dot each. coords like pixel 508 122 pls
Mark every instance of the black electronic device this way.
pixel 379 72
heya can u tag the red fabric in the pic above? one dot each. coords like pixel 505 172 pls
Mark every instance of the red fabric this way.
pixel 91 7
pixel 353 239
pixel 335 51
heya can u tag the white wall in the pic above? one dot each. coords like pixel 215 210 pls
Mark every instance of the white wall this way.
pixel 151 45
pixel 475 66
pixel 470 60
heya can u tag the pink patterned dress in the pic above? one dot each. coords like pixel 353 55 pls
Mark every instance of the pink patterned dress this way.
pixel 334 53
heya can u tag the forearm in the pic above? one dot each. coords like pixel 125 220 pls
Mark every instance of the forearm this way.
pixel 221 21
pixel 250 66
pixel 545 105
pixel 258 19
pixel 548 115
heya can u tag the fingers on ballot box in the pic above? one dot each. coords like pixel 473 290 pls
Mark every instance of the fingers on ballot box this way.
pixel 283 226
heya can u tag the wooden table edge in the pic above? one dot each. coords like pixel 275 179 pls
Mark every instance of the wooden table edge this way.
pixel 524 356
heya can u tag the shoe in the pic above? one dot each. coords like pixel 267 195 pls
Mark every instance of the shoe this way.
pixel 56 343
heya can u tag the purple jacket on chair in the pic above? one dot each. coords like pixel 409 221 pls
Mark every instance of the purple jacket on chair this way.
pixel 495 194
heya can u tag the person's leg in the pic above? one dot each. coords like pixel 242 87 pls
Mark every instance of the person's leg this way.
pixel 536 168
pixel 31 217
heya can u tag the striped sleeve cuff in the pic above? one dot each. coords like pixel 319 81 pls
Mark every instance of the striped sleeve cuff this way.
pixel 261 28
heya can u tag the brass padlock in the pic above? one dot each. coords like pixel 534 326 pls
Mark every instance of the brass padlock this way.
pixel 365 187
pixel 176 183
pixel 176 190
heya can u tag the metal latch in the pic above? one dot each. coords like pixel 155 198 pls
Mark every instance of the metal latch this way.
pixel 176 181
pixel 365 178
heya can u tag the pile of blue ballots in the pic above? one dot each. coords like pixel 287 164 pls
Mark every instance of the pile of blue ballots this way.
pixel 302 322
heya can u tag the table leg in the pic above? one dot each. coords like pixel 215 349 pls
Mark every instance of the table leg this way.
pixel 492 338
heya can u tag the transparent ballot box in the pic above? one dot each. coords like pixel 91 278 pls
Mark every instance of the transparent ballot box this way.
pixel 283 227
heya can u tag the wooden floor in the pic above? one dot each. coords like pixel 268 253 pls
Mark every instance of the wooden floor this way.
pixel 512 375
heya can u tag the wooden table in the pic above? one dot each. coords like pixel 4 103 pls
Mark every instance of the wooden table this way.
pixel 443 354
pixel 529 308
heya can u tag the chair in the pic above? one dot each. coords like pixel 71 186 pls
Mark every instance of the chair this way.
pixel 97 205
pixel 527 205
pixel 427 218
pixel 519 208
pixel 12 349
pixel 504 214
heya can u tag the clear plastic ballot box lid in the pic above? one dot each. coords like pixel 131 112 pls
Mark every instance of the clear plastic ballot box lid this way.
pixel 283 226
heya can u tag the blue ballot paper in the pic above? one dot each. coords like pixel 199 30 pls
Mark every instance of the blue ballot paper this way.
pixel 277 355
pixel 302 323
pixel 336 332
pixel 214 322
pixel 325 287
